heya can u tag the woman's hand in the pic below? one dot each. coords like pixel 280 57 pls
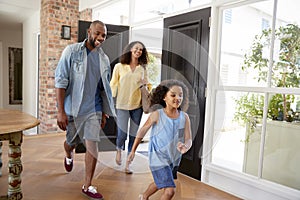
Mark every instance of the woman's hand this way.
pixel 143 81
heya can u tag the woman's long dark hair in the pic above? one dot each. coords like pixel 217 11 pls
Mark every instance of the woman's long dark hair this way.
pixel 159 93
pixel 126 56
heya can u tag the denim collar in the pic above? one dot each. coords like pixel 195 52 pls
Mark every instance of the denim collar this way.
pixel 82 47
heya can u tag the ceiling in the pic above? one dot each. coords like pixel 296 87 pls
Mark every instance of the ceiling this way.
pixel 17 11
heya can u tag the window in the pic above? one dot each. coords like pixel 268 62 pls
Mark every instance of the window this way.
pixel 256 119
pixel 265 25
pixel 228 16
pixel 153 43
pixel 126 12
pixel 113 12
pixel 145 9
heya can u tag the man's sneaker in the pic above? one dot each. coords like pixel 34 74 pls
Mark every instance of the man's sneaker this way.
pixel 68 164
pixel 92 193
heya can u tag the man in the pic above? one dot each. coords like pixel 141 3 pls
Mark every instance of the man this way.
pixel 84 99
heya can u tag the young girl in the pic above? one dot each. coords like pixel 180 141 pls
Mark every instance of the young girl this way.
pixel 170 136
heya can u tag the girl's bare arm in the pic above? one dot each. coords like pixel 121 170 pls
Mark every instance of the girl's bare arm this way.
pixel 153 117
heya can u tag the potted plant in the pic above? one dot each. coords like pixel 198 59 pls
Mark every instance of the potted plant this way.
pixel 249 107
pixel 285 73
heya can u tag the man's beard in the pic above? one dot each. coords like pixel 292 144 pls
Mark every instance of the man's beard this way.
pixel 92 42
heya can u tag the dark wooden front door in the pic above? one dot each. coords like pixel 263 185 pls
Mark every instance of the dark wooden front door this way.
pixel 117 39
pixel 185 57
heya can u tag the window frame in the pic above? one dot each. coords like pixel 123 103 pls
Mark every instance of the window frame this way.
pixel 219 176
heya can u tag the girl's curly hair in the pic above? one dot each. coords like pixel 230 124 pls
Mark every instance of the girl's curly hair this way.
pixel 159 93
pixel 126 55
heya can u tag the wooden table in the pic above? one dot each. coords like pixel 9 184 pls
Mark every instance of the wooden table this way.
pixel 12 125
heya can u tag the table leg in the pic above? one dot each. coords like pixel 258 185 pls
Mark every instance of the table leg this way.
pixel 15 166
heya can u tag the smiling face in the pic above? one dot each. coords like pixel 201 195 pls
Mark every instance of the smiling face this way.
pixel 137 50
pixel 96 35
pixel 174 97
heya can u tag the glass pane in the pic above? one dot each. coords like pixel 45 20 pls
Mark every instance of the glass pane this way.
pixel 145 9
pixel 286 67
pixel 288 12
pixel 150 34
pixel 153 43
pixel 235 128
pixel 116 13
pixel 284 107
pixel 282 150
pixel 241 64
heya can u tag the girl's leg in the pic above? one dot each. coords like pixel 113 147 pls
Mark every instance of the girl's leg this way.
pixel 168 193
pixel 122 123
pixel 150 191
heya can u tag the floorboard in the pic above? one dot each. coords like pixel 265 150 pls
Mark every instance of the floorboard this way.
pixel 44 177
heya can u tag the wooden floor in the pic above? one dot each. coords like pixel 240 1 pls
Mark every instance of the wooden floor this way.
pixel 44 177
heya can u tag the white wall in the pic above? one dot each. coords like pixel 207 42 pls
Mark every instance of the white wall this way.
pixel 10 37
pixel 84 4
pixel 31 29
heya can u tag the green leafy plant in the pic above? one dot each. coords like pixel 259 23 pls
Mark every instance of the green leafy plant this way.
pixel 153 68
pixel 285 69
pixel 249 110
pixel 276 107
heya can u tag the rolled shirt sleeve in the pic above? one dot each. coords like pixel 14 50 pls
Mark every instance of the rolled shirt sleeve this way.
pixel 62 71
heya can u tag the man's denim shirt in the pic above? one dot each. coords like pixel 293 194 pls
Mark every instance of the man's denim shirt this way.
pixel 71 72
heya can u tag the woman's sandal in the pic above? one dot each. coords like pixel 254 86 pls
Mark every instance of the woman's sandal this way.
pixel 118 157
pixel 127 169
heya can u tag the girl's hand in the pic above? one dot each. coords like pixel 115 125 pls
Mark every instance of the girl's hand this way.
pixel 130 157
pixel 182 148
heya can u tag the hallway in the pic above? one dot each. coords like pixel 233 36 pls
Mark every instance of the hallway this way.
pixel 44 177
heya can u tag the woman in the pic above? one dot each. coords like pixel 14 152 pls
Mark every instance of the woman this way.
pixel 128 77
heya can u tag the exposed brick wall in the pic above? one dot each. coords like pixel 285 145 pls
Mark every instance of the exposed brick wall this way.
pixel 86 15
pixel 54 14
